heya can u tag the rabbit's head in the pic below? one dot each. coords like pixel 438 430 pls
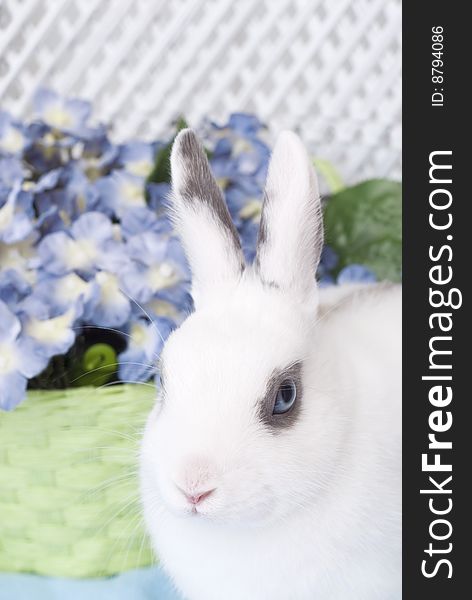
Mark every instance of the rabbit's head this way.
pixel 242 430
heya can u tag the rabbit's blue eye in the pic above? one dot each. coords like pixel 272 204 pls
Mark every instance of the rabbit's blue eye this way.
pixel 286 396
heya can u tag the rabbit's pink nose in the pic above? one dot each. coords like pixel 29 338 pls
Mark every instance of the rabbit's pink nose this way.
pixel 197 497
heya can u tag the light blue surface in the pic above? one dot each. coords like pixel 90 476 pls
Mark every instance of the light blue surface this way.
pixel 143 584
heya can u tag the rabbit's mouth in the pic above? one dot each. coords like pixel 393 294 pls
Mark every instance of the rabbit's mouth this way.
pixel 223 507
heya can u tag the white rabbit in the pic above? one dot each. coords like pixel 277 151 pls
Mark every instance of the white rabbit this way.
pixel 270 465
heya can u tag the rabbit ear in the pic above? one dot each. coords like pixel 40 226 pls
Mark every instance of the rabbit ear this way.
pixel 291 229
pixel 209 237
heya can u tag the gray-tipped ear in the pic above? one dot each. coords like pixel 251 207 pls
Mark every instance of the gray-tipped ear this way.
pixel 291 230
pixel 202 219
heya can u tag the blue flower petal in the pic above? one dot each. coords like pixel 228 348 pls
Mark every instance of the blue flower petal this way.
pixel 12 389
pixel 113 257
pixel 93 225
pixel 121 191
pixel 13 135
pixel 11 172
pixel 326 280
pixel 138 220
pixel 244 123
pixel 48 180
pixel 329 258
pixel 43 99
pixel 112 308
pixel 80 109
pixel 158 194
pixel 18 228
pixel 175 303
pixel 158 264
pixel 136 157
pixel 34 305
pixel 356 274
pixel 147 248
pixel 133 366
pixel 135 284
pixel 59 293
pixel 139 361
pixel 248 162
pixel 34 357
pixel 10 325
pixel 53 335
pixel 249 235
pixel 13 287
pixel 56 253
pixel 68 115
pixel 223 149
pixel 15 216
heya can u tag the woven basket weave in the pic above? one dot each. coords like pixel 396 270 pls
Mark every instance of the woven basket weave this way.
pixel 69 503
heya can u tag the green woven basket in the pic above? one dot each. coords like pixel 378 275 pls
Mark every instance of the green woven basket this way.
pixel 69 502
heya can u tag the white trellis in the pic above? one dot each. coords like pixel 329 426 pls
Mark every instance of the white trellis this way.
pixel 329 68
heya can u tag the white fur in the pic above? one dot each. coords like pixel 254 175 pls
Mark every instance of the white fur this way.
pixel 312 512
pixel 208 247
pixel 293 217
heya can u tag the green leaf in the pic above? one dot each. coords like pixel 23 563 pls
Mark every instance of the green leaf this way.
pixel 363 225
pixel 161 170
pixel 98 366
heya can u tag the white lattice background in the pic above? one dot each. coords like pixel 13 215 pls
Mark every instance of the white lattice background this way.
pixel 328 68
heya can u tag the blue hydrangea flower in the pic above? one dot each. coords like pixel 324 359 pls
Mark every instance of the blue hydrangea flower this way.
pixel 49 329
pixel 239 144
pixel 158 263
pixel 136 157
pixel 96 155
pixel 20 359
pixel 110 305
pixel 121 191
pixel 11 172
pixel 68 115
pixel 13 136
pixel 13 286
pixel 49 180
pixel 88 245
pixel 246 166
pixel 242 207
pixel 62 196
pixel 158 194
pixel 329 258
pixel 242 123
pixel 60 293
pixel 328 262
pixel 84 196
pixel 15 212
pixel 137 221
pixel 146 338
pixel 356 274
pixel 239 161
pixel 174 303
pixel 249 231
pixel 20 257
